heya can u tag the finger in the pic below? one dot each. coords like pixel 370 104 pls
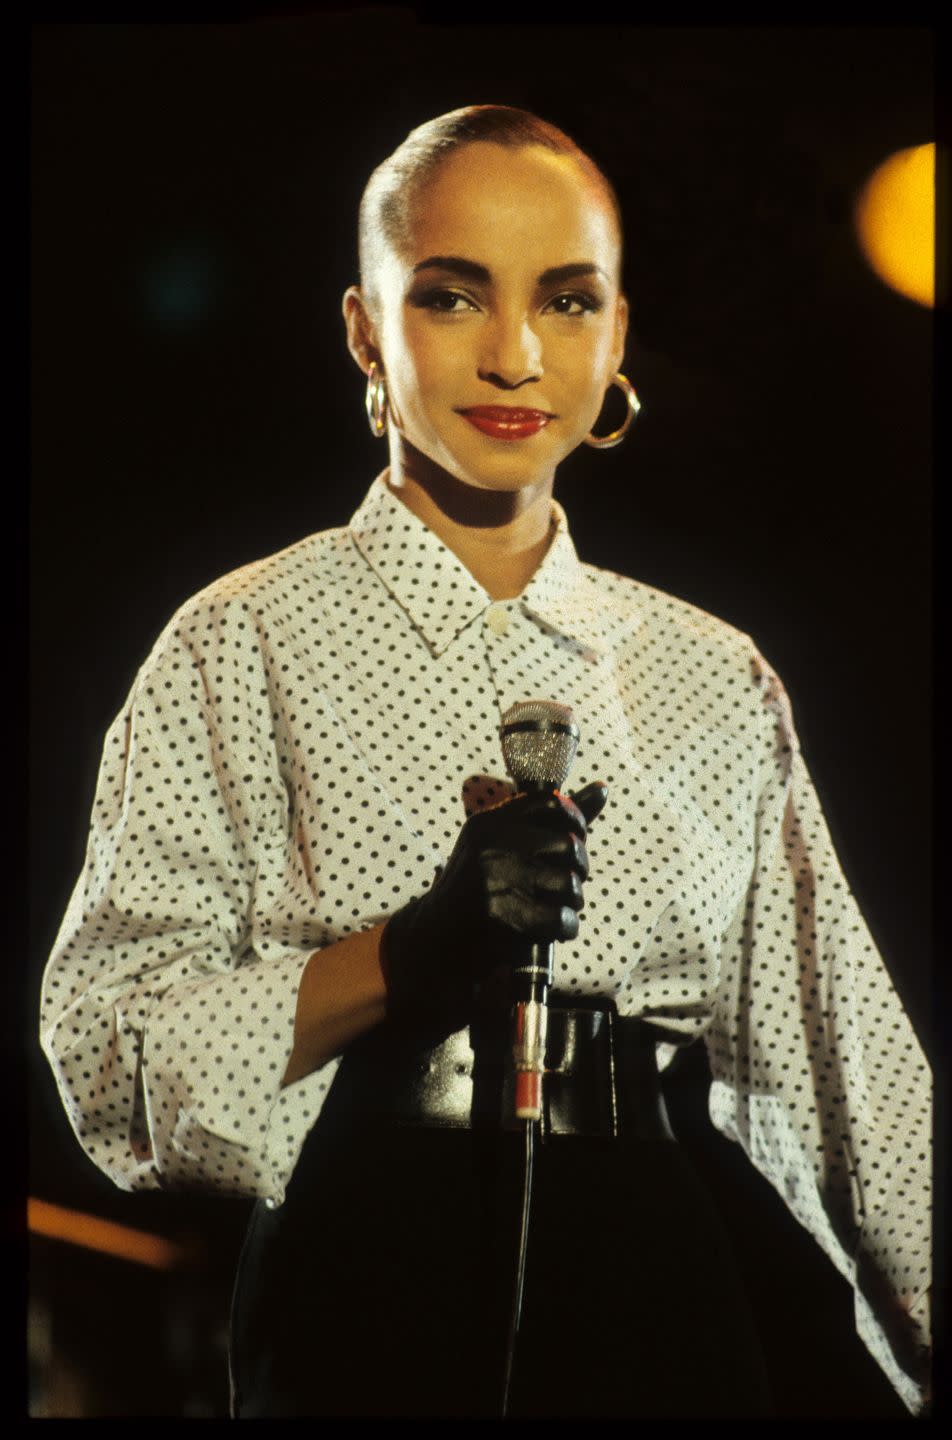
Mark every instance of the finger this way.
pixel 553 809
pixel 567 849
pixel 533 919
pixel 591 800
pixel 558 884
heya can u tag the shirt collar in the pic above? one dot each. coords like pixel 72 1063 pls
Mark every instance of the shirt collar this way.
pixel 440 595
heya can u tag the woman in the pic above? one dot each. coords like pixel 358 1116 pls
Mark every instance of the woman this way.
pixel 285 969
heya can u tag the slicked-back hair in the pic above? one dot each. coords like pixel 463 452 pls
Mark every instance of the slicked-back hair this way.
pixel 389 193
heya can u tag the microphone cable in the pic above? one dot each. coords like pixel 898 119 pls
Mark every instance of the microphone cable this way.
pixel 528 1027
pixel 519 1286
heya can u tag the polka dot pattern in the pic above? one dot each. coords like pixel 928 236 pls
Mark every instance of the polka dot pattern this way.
pixel 294 762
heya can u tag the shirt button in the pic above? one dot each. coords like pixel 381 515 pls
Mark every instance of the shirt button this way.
pixel 497 618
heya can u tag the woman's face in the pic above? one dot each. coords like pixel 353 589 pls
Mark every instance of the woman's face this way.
pixel 504 294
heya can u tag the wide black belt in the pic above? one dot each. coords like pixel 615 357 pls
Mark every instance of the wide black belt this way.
pixel 601 1077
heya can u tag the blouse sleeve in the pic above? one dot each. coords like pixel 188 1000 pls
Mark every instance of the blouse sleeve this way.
pixel 816 1069
pixel 168 1001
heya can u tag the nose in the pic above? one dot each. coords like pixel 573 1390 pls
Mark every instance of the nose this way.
pixel 511 352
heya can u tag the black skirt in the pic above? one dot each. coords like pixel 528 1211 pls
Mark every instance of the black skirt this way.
pixel 383 1286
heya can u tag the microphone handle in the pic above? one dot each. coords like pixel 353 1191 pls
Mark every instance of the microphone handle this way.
pixel 530 986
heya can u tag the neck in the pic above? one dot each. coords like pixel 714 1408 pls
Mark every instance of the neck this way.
pixel 501 536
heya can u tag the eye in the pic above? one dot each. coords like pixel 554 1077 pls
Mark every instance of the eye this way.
pixel 445 302
pixel 586 304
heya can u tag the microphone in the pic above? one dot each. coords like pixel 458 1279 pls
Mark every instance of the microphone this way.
pixel 539 743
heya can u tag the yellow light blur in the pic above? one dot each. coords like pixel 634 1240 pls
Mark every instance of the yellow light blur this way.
pixel 895 222
pixel 89 1231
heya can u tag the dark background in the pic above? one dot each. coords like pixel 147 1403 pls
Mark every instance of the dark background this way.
pixel 194 199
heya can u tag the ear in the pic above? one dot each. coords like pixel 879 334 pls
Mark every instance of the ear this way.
pixel 362 338
pixel 621 332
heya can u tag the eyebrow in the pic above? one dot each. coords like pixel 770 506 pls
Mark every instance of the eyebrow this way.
pixel 473 271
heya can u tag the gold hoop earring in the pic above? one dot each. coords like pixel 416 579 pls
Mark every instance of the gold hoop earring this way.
pixel 376 400
pixel 605 442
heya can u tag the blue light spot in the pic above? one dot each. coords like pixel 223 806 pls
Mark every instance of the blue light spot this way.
pixel 179 289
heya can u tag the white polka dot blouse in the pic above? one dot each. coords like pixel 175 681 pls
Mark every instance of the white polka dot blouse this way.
pixel 294 762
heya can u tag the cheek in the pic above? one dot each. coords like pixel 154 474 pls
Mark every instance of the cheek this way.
pixel 585 363
pixel 602 348
pixel 587 371
pixel 423 362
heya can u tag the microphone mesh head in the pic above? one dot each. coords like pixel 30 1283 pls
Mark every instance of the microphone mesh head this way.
pixel 539 741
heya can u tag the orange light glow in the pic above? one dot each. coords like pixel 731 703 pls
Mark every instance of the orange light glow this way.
pixel 895 222
pixel 57 1223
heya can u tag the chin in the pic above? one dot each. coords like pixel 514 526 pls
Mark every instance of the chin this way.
pixel 510 466
pixel 501 466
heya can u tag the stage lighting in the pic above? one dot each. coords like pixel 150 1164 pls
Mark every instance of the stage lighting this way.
pixel 895 222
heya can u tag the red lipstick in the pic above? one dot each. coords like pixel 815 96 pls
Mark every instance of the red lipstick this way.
pixel 506 422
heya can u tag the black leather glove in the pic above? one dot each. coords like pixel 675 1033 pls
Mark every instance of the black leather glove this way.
pixel 515 875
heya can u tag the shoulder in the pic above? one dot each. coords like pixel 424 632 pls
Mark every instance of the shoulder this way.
pixel 297 570
pixel 255 606
pixel 665 615
pixel 690 642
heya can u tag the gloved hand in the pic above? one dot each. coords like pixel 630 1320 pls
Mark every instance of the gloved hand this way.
pixel 514 876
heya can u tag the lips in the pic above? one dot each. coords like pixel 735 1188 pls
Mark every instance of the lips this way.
pixel 506 422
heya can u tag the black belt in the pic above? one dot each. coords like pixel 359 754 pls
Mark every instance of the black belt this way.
pixel 601 1077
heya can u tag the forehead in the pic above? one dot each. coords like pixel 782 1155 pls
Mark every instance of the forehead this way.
pixel 500 206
